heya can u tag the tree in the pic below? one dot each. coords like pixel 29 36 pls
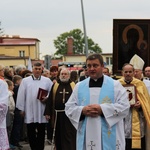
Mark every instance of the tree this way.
pixel 79 46
pixel 1 30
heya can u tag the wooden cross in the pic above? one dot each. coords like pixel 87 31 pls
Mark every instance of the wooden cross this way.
pixel 64 92
pixel 91 145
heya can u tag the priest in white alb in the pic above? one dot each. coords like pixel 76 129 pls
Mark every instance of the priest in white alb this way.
pixel 96 108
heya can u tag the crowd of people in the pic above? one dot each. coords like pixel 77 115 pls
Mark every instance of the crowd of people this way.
pixel 81 110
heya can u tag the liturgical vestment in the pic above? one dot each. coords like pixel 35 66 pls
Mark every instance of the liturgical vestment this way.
pixel 65 133
pixel 109 126
pixel 4 144
pixel 143 97
pixel 27 98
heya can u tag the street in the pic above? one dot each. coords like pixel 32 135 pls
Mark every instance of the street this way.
pixel 27 147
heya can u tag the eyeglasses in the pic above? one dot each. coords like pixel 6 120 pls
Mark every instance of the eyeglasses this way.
pixel 147 71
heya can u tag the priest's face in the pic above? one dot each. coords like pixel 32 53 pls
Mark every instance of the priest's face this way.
pixel 37 71
pixel 64 75
pixel 147 72
pixel 138 74
pixel 95 69
pixel 128 72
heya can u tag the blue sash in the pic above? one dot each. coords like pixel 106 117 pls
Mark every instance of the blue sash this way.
pixel 106 96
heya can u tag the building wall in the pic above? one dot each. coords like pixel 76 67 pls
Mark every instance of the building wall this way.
pixel 54 62
pixel 12 63
pixel 14 51
pixel 107 57
pixel 74 58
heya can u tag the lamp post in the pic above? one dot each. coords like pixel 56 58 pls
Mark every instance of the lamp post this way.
pixel 84 28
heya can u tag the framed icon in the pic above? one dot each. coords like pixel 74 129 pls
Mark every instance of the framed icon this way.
pixel 130 37
pixel 131 89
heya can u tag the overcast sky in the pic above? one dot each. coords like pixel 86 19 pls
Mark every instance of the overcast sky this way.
pixel 47 19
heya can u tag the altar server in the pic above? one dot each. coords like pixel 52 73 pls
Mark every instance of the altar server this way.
pixel 32 108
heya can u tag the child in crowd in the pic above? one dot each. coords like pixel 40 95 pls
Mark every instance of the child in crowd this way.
pixel 11 108
pixel 18 119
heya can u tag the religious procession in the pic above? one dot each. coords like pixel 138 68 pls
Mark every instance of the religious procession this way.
pixel 59 109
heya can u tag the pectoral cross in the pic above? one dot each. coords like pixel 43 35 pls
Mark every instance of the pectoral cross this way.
pixel 91 145
pixel 64 92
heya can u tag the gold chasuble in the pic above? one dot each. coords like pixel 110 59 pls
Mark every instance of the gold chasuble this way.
pixel 144 98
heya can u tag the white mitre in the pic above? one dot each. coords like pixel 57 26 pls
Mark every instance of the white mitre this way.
pixel 137 62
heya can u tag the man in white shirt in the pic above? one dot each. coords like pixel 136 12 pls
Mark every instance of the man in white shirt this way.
pixel 32 108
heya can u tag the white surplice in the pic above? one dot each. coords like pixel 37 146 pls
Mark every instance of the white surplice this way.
pixel 147 83
pixel 113 113
pixel 27 99
pixel 4 97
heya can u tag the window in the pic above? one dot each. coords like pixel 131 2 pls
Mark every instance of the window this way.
pixel 109 60
pixel 21 53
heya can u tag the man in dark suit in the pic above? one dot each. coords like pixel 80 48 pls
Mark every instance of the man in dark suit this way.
pixel 82 77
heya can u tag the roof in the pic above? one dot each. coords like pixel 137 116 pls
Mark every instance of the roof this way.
pixel 17 41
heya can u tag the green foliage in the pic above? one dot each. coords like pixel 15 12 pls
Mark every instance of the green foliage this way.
pixel 1 30
pixel 79 46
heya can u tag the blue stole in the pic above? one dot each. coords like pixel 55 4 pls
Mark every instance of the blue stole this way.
pixel 106 96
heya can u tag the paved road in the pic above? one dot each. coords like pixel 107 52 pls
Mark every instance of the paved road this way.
pixel 27 147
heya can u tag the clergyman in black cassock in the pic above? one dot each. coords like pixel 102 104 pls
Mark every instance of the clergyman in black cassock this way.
pixel 65 133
